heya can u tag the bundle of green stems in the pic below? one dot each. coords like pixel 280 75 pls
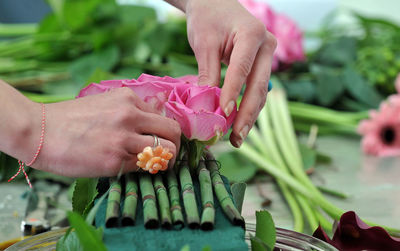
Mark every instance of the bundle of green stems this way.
pixel 328 121
pixel 162 196
pixel 273 147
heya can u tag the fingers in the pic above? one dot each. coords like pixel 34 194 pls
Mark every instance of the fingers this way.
pixel 209 64
pixel 142 141
pixel 131 98
pixel 240 64
pixel 255 95
pixel 163 127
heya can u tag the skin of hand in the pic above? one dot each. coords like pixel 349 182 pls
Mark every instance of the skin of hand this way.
pixel 88 137
pixel 224 31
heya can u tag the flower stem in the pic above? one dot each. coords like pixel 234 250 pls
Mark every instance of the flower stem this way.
pixel 114 198
pixel 294 206
pixel 207 197
pixel 130 203
pixel 189 199
pixel 223 196
pixel 150 213
pixel 163 201
pixel 174 198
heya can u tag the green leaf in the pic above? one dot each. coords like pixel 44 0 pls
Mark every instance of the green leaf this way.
pixel 301 90
pixel 338 52
pixel 136 14
pixel 238 190
pixel 323 158
pixel 265 228
pixel 235 168
pixel 329 84
pixel 89 237
pixel 206 248
pixel 258 245
pixel 69 242
pixel 57 7
pixel 92 214
pixel 85 192
pixel 179 68
pixel 129 72
pixel 360 89
pixel 98 76
pixel 82 68
pixel 159 40
pixel 308 155
pixel 78 14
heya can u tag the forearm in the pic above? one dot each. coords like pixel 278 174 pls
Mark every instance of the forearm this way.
pixel 180 4
pixel 17 128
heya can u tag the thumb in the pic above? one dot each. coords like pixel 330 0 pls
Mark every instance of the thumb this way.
pixel 209 66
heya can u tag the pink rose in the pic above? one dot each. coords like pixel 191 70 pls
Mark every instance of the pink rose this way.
pixel 289 37
pixel 152 89
pixel 262 12
pixel 197 110
pixel 290 40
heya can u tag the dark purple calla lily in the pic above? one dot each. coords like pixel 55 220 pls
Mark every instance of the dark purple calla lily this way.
pixel 352 234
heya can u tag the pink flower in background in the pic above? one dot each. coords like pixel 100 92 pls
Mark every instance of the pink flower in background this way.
pixel 289 36
pixel 261 11
pixel 290 40
pixel 381 133
pixel 197 110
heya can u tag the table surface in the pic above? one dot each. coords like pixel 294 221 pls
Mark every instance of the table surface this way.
pixel 372 183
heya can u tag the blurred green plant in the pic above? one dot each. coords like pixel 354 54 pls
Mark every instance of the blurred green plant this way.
pixel 354 68
pixel 82 37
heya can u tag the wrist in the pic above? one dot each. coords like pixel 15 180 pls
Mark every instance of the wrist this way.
pixel 28 131
pixel 21 123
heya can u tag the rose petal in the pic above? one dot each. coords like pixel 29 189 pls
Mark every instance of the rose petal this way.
pixel 196 125
pixel 93 89
pixel 203 99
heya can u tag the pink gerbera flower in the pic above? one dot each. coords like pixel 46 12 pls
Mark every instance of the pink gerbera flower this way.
pixel 381 133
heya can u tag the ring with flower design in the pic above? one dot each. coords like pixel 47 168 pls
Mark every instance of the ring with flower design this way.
pixel 154 159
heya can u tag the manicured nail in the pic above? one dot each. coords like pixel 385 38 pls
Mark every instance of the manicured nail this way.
pixel 243 133
pixel 229 108
pixel 239 142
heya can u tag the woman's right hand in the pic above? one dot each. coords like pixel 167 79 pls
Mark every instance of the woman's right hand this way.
pixel 97 135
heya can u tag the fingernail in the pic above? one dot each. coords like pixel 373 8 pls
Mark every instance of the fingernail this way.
pixel 239 142
pixel 229 108
pixel 243 133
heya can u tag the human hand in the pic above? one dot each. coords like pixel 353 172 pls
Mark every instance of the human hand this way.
pixel 96 135
pixel 223 30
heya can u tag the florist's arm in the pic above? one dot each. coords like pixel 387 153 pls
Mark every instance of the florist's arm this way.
pixel 224 31
pixel 87 137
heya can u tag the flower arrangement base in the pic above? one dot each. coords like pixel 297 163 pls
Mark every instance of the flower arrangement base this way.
pixel 224 236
